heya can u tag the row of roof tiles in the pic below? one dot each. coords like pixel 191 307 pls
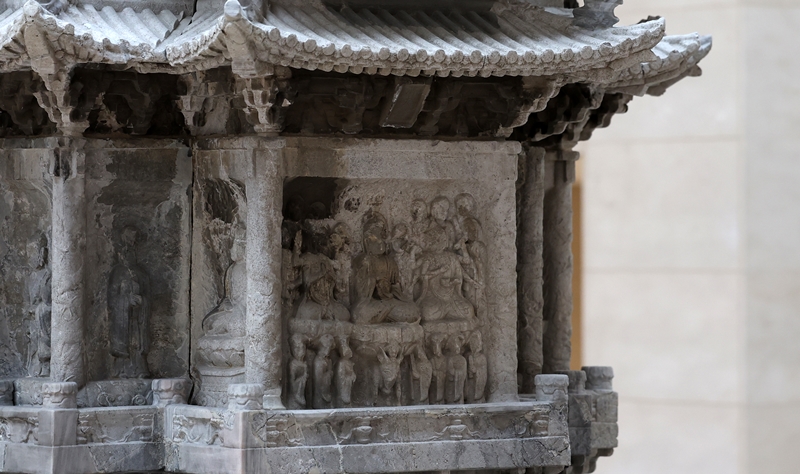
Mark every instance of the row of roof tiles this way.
pixel 515 38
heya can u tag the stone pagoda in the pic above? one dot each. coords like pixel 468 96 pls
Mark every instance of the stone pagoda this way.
pixel 304 236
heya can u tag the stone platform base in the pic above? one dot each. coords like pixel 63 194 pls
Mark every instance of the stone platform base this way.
pixel 190 439
pixel 366 459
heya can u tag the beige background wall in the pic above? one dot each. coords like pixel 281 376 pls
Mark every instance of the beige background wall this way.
pixel 692 251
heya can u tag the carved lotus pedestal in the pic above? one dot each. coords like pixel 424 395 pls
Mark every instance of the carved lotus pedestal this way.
pixel 220 363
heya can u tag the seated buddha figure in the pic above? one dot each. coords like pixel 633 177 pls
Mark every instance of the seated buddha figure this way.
pixel 376 291
pixel 229 314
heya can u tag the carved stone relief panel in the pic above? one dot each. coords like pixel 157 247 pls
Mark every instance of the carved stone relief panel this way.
pixel 138 250
pixel 25 214
pixel 389 295
pixel 219 275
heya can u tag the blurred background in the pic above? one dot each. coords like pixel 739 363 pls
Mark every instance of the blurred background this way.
pixel 688 251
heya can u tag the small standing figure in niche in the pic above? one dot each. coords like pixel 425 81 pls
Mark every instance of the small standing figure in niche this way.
pixel 376 286
pixel 39 306
pixel 319 280
pixel 439 370
pixel 298 373
pixel 323 373
pixel 129 310
pixel 421 375
pixel 340 242
pixel 390 360
pixel 405 254
pixel 345 374
pixel 476 370
pixel 456 372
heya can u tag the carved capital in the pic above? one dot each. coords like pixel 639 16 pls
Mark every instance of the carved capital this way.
pixel 245 396
pixel 205 99
pixel 551 387
pixel 599 378
pixel 170 391
pixel 577 380
pixel 60 395
pixel 262 101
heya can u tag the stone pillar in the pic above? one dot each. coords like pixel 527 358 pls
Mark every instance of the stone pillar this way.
pixel 530 299
pixel 68 251
pixel 557 249
pixel 263 362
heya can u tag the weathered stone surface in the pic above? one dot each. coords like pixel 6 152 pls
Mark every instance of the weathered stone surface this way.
pixel 139 235
pixel 303 237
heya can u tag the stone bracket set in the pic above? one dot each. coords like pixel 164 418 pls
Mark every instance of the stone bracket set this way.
pixel 272 101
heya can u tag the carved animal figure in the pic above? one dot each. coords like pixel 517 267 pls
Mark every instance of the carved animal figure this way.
pixel 390 360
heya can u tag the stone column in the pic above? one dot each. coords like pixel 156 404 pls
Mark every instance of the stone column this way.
pixel 263 362
pixel 530 299
pixel 557 349
pixel 67 252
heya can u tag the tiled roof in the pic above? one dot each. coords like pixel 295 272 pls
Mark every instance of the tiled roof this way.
pixel 514 38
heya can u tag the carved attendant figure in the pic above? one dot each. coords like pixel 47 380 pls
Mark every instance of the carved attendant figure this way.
pixel 39 307
pixel 405 252
pixel 129 310
pixel 473 253
pixel 376 287
pixel 420 220
pixel 298 373
pixel 319 280
pixel 421 375
pixel 477 368
pixel 456 372
pixel 442 279
pixel 345 374
pixel 340 242
pixel 323 373
pixel 439 370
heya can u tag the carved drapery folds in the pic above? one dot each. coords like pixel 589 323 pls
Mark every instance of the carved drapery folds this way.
pixel 396 323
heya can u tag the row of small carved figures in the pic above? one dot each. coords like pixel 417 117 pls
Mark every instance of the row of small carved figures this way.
pixel 455 375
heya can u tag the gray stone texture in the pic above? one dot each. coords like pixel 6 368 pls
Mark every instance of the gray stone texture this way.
pixel 298 237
